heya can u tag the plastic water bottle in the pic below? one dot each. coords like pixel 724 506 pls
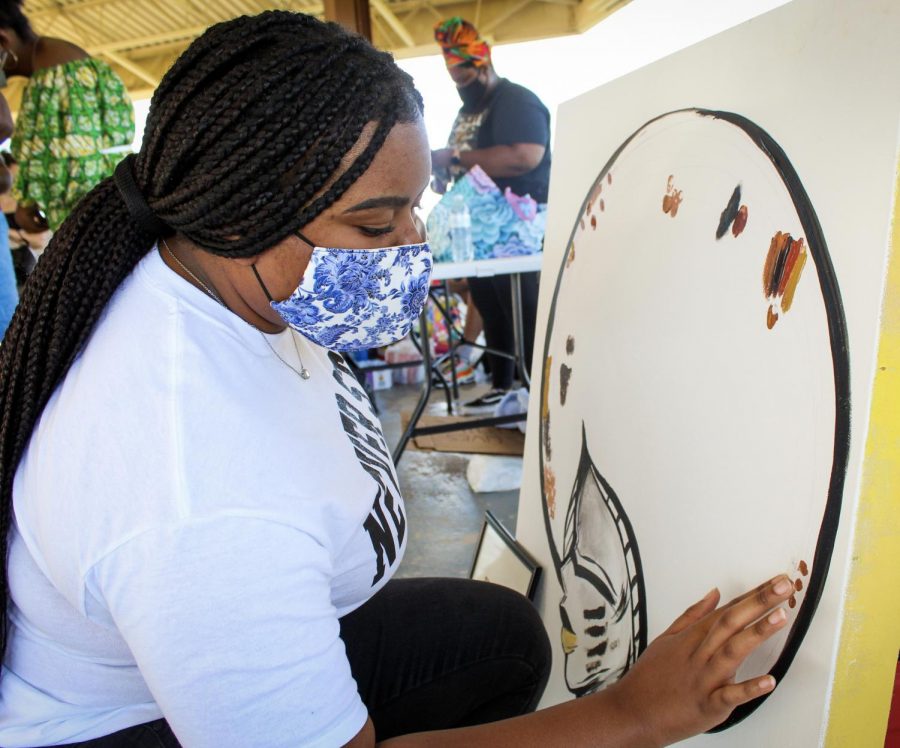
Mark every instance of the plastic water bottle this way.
pixel 461 247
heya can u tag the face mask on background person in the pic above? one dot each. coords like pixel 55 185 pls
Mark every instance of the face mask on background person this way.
pixel 350 299
pixel 472 93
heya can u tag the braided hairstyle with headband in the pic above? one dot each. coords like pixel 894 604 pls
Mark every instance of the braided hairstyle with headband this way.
pixel 246 142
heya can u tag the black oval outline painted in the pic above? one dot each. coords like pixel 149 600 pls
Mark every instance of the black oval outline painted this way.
pixel 837 332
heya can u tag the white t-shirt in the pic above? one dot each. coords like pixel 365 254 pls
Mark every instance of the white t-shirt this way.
pixel 191 520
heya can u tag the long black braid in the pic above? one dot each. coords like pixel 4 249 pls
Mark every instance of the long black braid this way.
pixel 243 145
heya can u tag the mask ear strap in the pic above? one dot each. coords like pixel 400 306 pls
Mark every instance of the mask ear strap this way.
pixel 261 284
pixel 311 244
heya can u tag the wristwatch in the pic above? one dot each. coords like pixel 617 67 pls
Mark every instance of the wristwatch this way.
pixel 454 158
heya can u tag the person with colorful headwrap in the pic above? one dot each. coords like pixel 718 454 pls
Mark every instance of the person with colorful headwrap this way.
pixel 505 129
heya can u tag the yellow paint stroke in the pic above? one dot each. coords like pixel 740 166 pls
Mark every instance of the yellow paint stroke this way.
pixel 568 640
pixel 545 388
pixel 870 631
pixel 793 280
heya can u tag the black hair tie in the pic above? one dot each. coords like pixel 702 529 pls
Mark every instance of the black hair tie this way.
pixel 141 213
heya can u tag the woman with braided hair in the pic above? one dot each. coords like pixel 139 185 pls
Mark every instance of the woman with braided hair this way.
pixel 199 514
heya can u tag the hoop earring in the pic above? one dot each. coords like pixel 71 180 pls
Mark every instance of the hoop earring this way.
pixel 5 55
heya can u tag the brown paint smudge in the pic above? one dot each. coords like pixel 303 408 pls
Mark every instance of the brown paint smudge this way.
pixel 672 198
pixel 570 345
pixel 550 491
pixel 602 206
pixel 609 178
pixel 593 222
pixel 792 602
pixel 798 585
pixel 781 273
pixel 804 569
pixel 740 221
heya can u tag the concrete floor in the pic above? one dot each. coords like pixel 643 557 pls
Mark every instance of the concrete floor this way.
pixel 444 515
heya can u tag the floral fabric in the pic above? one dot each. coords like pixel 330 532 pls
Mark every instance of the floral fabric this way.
pixel 71 116
pixel 350 299
pixel 503 224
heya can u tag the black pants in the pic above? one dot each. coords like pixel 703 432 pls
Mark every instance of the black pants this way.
pixel 493 297
pixel 427 654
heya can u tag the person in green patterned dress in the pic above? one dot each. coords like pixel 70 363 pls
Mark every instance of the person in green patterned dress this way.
pixel 75 122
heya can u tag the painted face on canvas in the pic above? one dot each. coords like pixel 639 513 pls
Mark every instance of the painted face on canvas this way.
pixel 600 610
pixel 695 360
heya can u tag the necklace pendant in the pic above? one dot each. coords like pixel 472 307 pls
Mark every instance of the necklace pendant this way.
pixel 304 373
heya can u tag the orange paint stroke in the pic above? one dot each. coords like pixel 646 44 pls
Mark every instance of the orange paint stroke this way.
pixel 545 389
pixel 771 317
pixel 775 247
pixel 740 221
pixel 791 286
pixel 550 491
pixel 792 255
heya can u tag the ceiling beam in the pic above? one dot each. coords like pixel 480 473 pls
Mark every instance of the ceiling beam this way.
pixel 132 67
pixel 395 23
pixel 187 32
pixel 503 17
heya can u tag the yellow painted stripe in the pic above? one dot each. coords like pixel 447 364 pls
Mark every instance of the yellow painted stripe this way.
pixel 870 634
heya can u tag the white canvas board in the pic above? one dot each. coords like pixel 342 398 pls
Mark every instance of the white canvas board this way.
pixel 712 416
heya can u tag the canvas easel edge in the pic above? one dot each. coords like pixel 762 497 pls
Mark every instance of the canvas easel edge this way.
pixel 870 631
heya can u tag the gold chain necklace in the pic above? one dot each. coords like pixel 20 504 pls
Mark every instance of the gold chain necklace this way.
pixel 303 373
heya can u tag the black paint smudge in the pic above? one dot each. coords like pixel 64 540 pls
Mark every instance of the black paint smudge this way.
pixel 565 373
pixel 570 345
pixel 730 213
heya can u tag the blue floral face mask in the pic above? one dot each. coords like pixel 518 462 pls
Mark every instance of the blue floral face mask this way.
pixel 349 299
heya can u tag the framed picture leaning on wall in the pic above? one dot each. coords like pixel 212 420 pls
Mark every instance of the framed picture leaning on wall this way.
pixel 500 559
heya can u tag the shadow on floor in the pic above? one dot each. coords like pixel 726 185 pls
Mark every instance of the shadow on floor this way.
pixel 444 516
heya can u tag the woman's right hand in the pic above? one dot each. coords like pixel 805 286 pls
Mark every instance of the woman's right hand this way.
pixel 684 683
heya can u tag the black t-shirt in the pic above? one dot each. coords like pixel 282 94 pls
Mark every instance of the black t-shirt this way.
pixel 513 114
